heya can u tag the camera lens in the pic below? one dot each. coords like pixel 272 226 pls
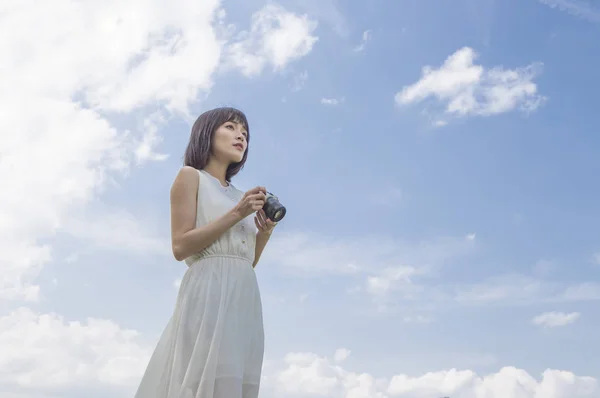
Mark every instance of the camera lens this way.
pixel 278 215
pixel 273 209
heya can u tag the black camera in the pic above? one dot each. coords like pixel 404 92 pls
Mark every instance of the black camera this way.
pixel 274 210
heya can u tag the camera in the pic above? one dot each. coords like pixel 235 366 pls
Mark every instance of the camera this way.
pixel 274 210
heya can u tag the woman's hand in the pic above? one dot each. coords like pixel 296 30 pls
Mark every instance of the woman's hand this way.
pixel 251 202
pixel 264 224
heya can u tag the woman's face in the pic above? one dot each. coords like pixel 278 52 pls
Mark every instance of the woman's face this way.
pixel 230 142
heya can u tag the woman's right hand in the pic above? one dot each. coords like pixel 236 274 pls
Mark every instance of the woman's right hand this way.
pixel 251 202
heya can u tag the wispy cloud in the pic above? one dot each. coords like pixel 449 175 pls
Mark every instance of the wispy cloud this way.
pixel 328 11
pixel 299 81
pixel 117 230
pixel 150 140
pixel 555 319
pixel 311 254
pixel 518 289
pixel 419 319
pixel 366 37
pixel 580 8
pixel 396 274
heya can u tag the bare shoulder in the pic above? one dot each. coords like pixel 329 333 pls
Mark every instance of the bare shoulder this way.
pixel 188 172
pixel 185 182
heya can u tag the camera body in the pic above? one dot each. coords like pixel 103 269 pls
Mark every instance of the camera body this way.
pixel 274 210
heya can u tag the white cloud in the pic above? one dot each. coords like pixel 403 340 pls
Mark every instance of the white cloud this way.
pixel 469 89
pixel 366 37
pixel 309 375
pixel 70 64
pixel 74 65
pixel 332 101
pixel 555 319
pixel 581 8
pixel 341 354
pixel 45 353
pixel 276 38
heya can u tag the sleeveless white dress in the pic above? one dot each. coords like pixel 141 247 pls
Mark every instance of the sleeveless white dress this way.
pixel 213 345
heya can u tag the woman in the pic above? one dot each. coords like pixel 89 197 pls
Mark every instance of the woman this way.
pixel 213 345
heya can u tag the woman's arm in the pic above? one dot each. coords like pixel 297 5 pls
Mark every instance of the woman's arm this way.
pixel 186 239
pixel 265 228
pixel 261 241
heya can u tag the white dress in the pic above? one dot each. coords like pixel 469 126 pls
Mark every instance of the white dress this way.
pixel 213 345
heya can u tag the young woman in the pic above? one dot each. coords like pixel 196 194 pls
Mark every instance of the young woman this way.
pixel 213 345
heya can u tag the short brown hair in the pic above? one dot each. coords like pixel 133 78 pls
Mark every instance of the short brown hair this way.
pixel 199 148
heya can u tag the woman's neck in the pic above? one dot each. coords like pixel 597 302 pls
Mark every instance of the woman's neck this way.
pixel 217 170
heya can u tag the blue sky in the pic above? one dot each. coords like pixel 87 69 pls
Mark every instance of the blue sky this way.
pixel 437 160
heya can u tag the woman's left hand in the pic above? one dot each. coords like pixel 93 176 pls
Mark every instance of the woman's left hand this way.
pixel 263 224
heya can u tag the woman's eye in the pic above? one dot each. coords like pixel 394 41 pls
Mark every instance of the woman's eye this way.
pixel 230 126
